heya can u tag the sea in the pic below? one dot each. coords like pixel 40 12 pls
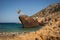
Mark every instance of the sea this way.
pixel 16 27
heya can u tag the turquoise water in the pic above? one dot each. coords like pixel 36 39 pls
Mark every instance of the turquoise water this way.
pixel 14 27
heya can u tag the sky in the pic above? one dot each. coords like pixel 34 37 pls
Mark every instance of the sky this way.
pixel 8 8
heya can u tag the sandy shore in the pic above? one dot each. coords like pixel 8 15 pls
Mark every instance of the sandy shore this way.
pixel 50 31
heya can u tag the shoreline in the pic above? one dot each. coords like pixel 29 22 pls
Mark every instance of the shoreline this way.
pixel 7 33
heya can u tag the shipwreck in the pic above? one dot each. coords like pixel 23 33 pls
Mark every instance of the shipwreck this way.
pixel 27 21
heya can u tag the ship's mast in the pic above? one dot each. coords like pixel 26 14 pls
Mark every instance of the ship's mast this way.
pixel 18 11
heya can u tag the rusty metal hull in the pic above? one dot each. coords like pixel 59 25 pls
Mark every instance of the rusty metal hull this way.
pixel 28 22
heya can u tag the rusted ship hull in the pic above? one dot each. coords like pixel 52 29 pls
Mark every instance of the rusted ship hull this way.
pixel 28 22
